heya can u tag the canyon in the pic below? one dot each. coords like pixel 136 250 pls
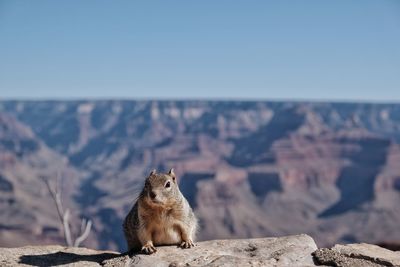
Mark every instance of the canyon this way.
pixel 248 168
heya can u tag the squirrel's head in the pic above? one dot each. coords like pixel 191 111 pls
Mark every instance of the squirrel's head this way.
pixel 161 189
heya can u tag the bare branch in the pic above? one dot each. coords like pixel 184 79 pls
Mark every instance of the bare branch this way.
pixel 67 230
pixel 84 235
pixel 55 194
pixel 86 225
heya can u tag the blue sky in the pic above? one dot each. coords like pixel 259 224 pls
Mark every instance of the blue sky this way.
pixel 329 50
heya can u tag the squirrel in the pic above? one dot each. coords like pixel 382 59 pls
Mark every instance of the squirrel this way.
pixel 160 216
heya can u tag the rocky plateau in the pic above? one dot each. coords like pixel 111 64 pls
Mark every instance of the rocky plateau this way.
pixel 249 169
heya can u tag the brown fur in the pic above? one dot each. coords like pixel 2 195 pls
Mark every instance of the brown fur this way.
pixel 160 216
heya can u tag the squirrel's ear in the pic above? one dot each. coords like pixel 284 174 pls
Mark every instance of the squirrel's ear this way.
pixel 172 174
pixel 153 172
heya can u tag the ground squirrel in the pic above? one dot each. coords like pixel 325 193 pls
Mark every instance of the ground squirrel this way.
pixel 160 216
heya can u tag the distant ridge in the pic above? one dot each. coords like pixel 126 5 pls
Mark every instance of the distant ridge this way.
pixel 326 169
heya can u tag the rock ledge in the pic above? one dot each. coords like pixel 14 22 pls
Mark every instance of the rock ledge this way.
pixel 297 250
pixel 357 255
pixel 283 251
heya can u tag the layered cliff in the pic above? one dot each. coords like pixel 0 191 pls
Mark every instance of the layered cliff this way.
pixel 327 169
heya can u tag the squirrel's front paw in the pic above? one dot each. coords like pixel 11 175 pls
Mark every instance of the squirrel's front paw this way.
pixel 187 244
pixel 149 248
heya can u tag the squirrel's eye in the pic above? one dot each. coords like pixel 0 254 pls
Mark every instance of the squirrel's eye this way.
pixel 168 184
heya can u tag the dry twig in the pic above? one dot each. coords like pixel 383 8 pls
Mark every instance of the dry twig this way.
pixel 64 216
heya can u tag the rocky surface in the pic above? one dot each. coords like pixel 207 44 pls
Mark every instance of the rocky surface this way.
pixel 284 251
pixel 53 255
pixel 357 255
pixel 332 168
pixel 298 250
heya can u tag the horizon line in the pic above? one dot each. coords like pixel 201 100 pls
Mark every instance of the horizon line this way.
pixel 192 99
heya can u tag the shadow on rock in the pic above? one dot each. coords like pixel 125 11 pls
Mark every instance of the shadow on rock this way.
pixel 60 258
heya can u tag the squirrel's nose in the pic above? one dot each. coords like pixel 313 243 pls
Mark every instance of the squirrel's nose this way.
pixel 153 195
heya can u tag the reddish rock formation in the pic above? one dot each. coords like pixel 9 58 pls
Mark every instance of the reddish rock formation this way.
pixel 250 169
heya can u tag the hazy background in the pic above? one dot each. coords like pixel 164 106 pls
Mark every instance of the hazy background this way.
pixel 285 112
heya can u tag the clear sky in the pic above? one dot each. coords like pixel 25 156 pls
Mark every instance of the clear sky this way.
pixel 329 50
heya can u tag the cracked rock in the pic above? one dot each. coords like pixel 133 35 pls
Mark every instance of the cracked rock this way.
pixel 283 251
pixel 357 255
